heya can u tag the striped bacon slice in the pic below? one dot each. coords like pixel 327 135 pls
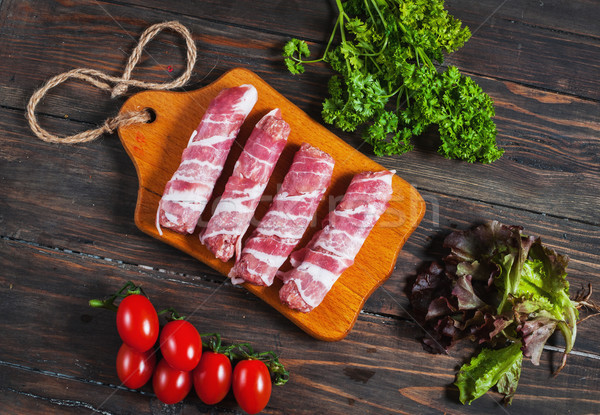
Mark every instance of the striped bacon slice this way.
pixel 189 190
pixel 332 250
pixel 251 173
pixel 285 222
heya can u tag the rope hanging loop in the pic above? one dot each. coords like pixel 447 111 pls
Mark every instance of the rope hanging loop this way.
pixel 120 86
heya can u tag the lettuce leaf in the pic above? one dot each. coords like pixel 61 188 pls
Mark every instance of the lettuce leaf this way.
pixel 496 286
pixel 542 300
pixel 492 252
pixel 535 332
pixel 544 277
pixel 507 385
pixel 489 368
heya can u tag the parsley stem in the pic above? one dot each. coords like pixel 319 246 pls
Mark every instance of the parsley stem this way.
pixel 379 13
pixel 340 22
pixel 369 10
pixel 393 93
pixel 381 49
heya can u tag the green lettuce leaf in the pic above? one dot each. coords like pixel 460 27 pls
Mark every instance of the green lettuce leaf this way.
pixel 545 279
pixel 490 367
pixel 507 385
pixel 542 300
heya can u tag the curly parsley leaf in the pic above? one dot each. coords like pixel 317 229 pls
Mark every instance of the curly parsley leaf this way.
pixel 385 61
pixel 293 51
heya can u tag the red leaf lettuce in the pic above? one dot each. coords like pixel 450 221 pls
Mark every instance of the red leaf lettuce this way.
pixel 501 289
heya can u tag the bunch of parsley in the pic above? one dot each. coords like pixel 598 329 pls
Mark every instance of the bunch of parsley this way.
pixel 387 79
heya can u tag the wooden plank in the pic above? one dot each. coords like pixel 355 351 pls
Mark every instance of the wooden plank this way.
pixel 551 153
pixel 105 46
pixel 575 17
pixel 82 198
pixel 77 198
pixel 545 58
pixel 26 391
pixel 550 139
pixel 313 19
pixel 514 41
pixel 222 43
pixel 46 185
pixel 368 372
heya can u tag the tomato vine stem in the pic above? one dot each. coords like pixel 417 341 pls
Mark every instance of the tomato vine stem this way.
pixel 244 351
pixel 173 316
pixel 109 303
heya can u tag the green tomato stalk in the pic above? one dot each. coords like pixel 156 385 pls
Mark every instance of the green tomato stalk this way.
pixel 244 351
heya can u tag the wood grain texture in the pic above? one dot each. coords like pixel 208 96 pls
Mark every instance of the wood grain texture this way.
pixel 66 229
pixel 311 18
pixel 155 149
pixel 83 199
pixel 378 368
pixel 551 139
pixel 575 18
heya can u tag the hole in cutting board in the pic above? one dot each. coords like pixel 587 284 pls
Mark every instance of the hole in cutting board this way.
pixel 152 115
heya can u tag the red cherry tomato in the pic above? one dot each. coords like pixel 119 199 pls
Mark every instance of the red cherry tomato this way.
pixel 171 385
pixel 212 377
pixel 251 385
pixel 137 322
pixel 181 345
pixel 134 367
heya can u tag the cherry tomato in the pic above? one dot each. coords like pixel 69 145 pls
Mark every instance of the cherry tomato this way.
pixel 251 385
pixel 181 345
pixel 212 377
pixel 171 385
pixel 137 322
pixel 134 367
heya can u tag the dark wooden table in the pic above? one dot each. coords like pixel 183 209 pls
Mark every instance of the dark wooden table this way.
pixel 66 212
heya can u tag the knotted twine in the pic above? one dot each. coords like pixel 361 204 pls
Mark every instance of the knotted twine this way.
pixel 104 81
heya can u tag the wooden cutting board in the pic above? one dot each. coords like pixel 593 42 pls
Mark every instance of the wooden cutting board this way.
pixel 155 149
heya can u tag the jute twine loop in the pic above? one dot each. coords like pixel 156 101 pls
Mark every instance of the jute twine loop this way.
pixel 104 81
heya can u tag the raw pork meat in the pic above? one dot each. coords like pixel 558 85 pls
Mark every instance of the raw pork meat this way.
pixel 251 173
pixel 287 218
pixel 187 193
pixel 333 249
